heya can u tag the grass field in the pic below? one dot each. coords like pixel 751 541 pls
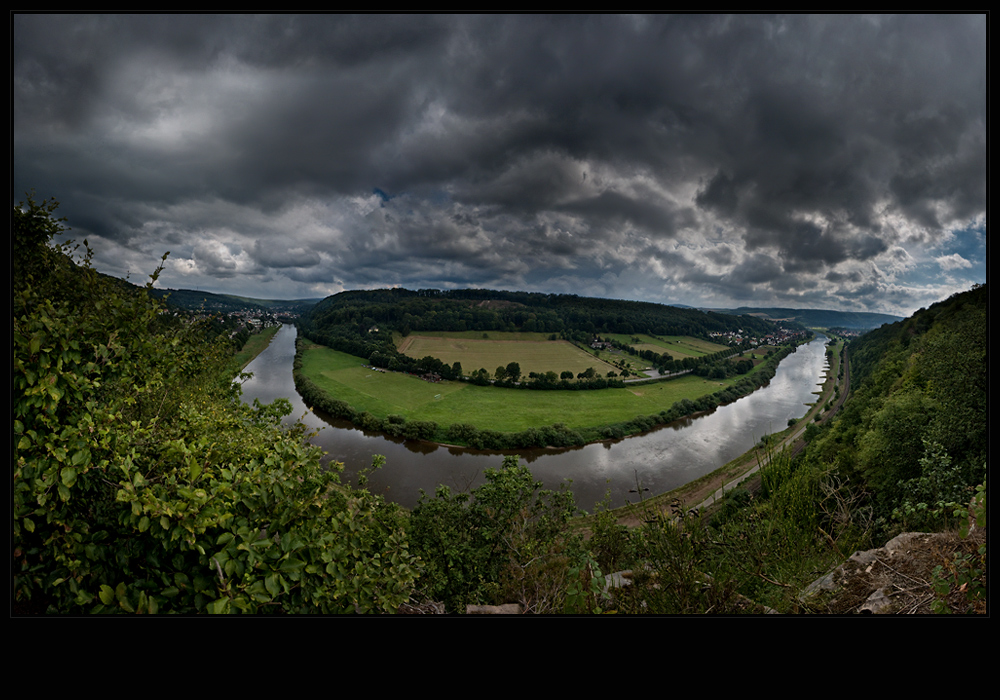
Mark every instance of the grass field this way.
pixel 679 346
pixel 533 355
pixel 344 377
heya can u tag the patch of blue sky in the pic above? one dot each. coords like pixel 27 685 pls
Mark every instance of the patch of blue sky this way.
pixel 946 269
pixel 969 242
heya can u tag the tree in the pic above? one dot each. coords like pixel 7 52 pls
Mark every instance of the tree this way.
pixel 513 371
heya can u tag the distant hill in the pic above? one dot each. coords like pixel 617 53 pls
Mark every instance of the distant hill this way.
pixel 194 300
pixel 823 318
pixel 572 316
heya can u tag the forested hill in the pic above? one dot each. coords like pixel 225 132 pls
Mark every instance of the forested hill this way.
pixel 821 318
pixel 914 430
pixel 195 300
pixel 490 310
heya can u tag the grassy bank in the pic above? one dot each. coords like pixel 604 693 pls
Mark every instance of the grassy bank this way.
pixel 255 346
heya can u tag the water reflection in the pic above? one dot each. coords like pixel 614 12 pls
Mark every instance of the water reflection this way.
pixel 663 459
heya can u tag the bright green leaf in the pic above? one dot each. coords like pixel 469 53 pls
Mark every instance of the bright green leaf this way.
pixel 107 595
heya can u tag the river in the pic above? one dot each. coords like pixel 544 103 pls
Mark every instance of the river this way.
pixel 660 460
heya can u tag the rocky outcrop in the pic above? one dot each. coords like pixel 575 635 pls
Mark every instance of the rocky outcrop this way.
pixel 893 579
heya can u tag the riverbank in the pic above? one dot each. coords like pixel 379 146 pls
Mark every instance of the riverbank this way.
pixel 703 493
pixel 454 413
pixel 256 344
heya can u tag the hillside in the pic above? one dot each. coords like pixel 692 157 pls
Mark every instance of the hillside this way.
pixel 818 318
pixel 915 429
pixel 907 452
pixel 195 300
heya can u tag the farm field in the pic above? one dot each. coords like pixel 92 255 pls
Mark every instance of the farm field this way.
pixel 679 346
pixel 346 378
pixel 533 355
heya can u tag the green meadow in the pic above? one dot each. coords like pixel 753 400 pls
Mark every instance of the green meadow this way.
pixel 344 377
pixel 679 346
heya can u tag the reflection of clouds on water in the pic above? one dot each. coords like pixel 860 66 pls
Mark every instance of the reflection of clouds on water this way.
pixel 664 459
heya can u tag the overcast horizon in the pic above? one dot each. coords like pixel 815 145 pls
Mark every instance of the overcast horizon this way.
pixel 827 162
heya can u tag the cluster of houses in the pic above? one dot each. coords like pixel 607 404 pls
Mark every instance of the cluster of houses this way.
pixel 738 337
pixel 261 319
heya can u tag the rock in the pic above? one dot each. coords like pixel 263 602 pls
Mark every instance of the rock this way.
pixel 425 608
pixel 505 609
pixel 892 579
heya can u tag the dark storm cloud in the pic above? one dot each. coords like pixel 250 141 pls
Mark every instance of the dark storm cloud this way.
pixel 787 153
pixel 274 254
pixel 616 208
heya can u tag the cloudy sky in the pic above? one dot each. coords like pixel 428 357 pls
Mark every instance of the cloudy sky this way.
pixel 817 162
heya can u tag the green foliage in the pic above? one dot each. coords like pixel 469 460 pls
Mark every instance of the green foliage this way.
pixel 142 484
pixel 674 578
pixel 612 544
pixel 586 593
pixel 503 542
pixel 959 584
pixel 929 500
pixel 915 384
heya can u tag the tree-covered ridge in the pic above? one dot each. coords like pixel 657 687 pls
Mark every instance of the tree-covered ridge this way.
pixel 915 429
pixel 820 318
pixel 195 300
pixel 486 310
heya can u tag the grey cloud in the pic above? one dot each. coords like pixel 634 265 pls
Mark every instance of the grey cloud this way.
pixel 276 254
pixel 722 255
pixel 516 147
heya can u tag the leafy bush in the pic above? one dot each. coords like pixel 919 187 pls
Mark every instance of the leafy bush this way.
pixel 959 584
pixel 504 542
pixel 141 482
